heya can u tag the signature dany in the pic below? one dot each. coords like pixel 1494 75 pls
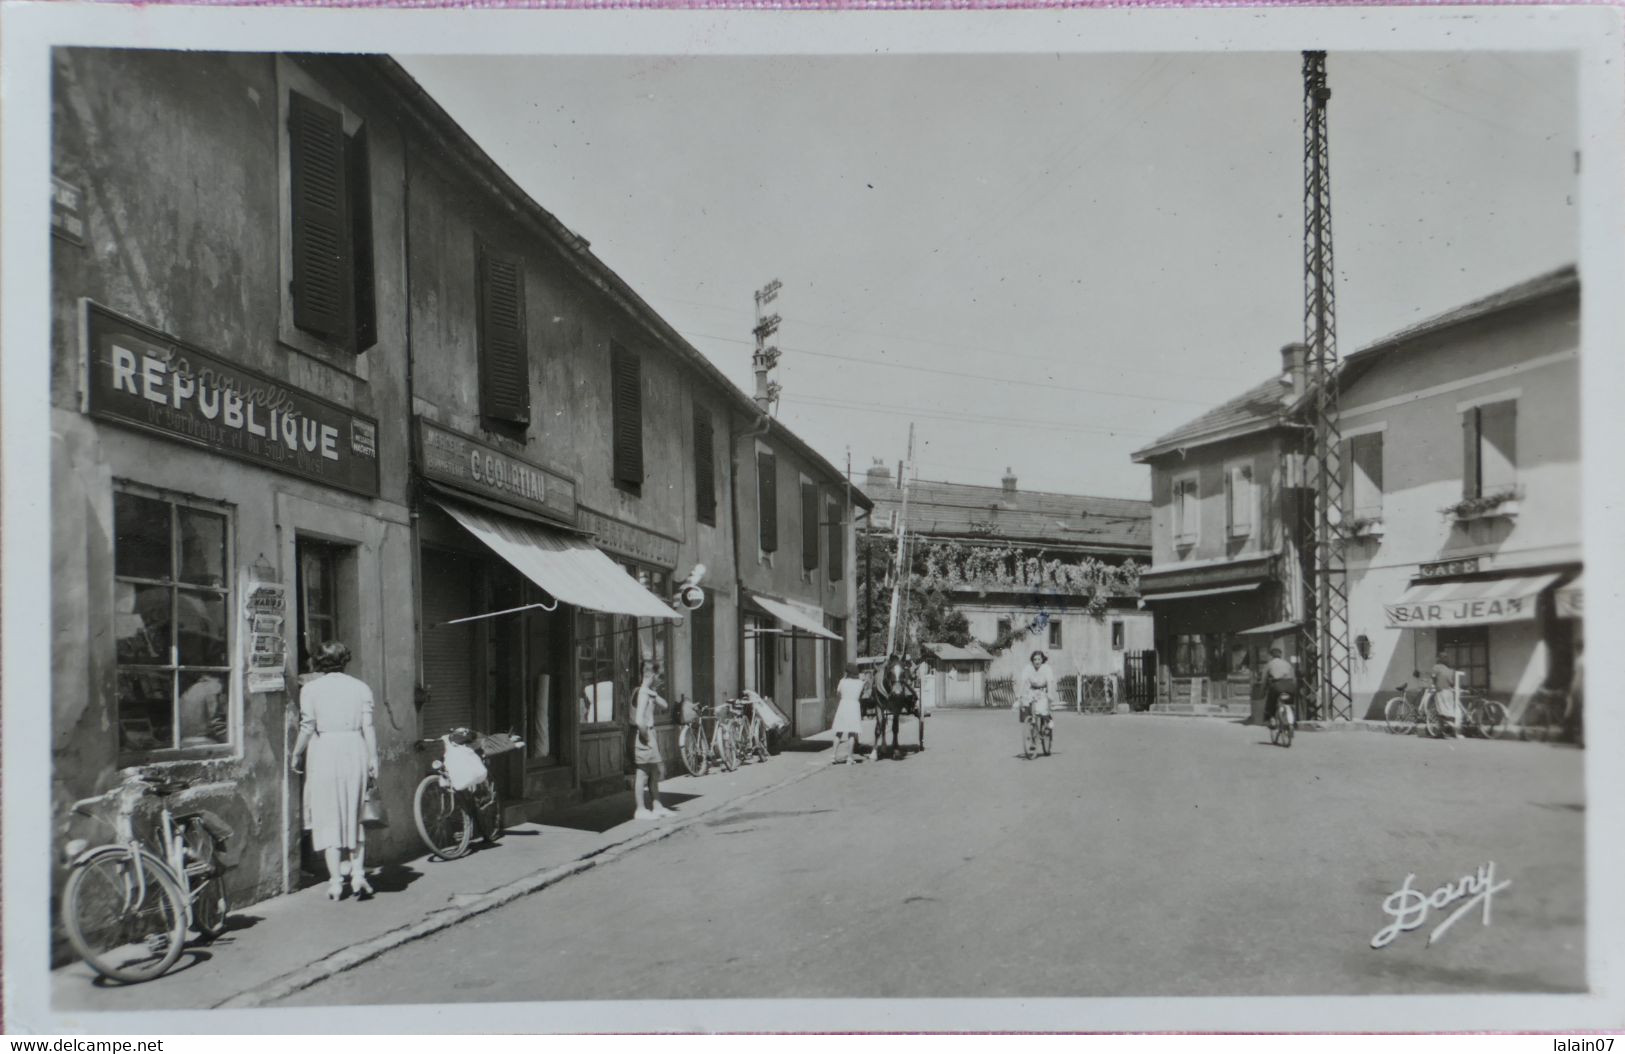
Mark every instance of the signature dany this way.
pixel 1408 907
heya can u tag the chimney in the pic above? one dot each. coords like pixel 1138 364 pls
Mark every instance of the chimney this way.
pixel 1009 480
pixel 878 476
pixel 1294 367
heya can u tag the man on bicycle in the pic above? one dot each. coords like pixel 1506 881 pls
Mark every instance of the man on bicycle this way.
pixel 1280 678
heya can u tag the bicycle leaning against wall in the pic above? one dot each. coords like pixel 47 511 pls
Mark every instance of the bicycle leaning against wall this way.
pixel 127 904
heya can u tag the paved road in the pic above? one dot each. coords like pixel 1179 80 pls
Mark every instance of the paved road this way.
pixel 1149 856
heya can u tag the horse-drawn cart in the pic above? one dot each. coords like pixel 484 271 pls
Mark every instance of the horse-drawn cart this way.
pixel 892 690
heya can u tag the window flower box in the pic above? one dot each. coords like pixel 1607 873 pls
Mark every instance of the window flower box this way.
pixel 1502 504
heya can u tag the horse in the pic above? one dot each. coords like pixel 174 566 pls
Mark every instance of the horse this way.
pixel 896 692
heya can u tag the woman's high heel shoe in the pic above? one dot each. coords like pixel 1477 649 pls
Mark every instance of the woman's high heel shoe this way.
pixel 359 887
pixel 335 889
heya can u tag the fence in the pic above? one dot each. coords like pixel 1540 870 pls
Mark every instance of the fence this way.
pixel 1140 679
pixel 1099 693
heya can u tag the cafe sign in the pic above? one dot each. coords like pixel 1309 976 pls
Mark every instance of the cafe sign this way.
pixel 143 379
pixel 465 463
pixel 1448 568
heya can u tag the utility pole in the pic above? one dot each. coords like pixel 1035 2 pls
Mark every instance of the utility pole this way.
pixel 902 536
pixel 1325 634
pixel 766 355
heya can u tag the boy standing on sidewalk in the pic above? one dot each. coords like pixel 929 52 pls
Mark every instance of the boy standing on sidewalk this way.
pixel 645 749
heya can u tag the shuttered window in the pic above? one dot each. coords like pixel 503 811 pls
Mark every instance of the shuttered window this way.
pixel 837 540
pixel 1489 448
pixel 767 500
pixel 504 363
pixel 705 483
pixel 323 279
pixel 627 411
pixel 809 525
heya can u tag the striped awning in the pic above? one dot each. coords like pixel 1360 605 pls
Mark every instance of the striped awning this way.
pixel 1472 603
pixel 570 569
pixel 1211 591
pixel 793 616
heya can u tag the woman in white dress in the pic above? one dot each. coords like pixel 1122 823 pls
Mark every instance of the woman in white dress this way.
pixel 1036 687
pixel 848 715
pixel 335 727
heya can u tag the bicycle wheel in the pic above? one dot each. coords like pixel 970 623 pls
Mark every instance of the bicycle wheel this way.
pixel 759 733
pixel 488 812
pixel 208 886
pixel 691 745
pixel 1288 724
pixel 1046 737
pixel 123 929
pixel 443 824
pixel 1492 720
pixel 1029 739
pixel 727 746
pixel 1433 719
pixel 1399 715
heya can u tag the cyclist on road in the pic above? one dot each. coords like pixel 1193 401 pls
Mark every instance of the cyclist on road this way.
pixel 1036 687
pixel 1280 678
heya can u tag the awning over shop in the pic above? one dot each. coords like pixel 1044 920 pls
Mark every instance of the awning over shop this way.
pixel 1473 603
pixel 794 617
pixel 1571 599
pixel 1274 629
pixel 572 570
pixel 1209 592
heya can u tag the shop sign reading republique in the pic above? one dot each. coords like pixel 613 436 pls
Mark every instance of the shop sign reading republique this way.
pixel 142 378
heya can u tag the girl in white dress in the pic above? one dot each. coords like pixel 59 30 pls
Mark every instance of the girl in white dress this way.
pixel 848 715
pixel 335 727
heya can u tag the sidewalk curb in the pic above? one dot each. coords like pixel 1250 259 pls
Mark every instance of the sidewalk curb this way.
pixel 444 918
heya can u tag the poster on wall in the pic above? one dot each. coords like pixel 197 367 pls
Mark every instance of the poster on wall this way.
pixel 264 604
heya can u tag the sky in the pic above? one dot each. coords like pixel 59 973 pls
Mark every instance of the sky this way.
pixel 1041 262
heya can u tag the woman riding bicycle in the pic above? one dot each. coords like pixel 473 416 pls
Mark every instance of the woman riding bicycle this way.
pixel 1035 687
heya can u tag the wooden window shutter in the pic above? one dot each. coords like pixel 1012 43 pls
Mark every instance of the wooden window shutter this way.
pixel 627 411
pixel 1498 452
pixel 323 295
pixel 366 309
pixel 504 364
pixel 705 483
pixel 809 526
pixel 1469 453
pixel 767 500
pixel 837 541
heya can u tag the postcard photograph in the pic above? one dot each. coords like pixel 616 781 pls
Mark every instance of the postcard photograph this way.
pixel 631 522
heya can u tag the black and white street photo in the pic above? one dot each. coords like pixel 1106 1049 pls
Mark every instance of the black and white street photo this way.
pixel 598 518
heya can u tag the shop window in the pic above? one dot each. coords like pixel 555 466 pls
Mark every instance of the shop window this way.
pixel 767 499
pixel 503 346
pixel 1467 650
pixel 804 656
pixel 1239 500
pixel 809 525
pixel 837 654
pixel 1117 634
pixel 705 481
pixel 330 217
pixel 761 649
pixel 1055 634
pixel 1202 655
pixel 627 412
pixel 1489 448
pixel 1362 476
pixel 610 651
pixel 837 539
pixel 1186 512
pixel 172 622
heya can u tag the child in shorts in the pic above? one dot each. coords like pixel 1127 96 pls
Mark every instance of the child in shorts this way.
pixel 645 748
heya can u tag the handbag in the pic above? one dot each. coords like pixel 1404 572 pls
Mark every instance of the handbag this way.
pixel 373 813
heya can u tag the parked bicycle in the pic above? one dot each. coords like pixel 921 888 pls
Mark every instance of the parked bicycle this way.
pixel 127 905
pixel 1421 715
pixel 1542 719
pixel 708 734
pixel 750 731
pixel 449 804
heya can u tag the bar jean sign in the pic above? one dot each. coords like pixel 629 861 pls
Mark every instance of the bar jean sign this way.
pixel 141 378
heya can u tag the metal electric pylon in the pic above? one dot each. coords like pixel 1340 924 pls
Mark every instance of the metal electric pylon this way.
pixel 1326 609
